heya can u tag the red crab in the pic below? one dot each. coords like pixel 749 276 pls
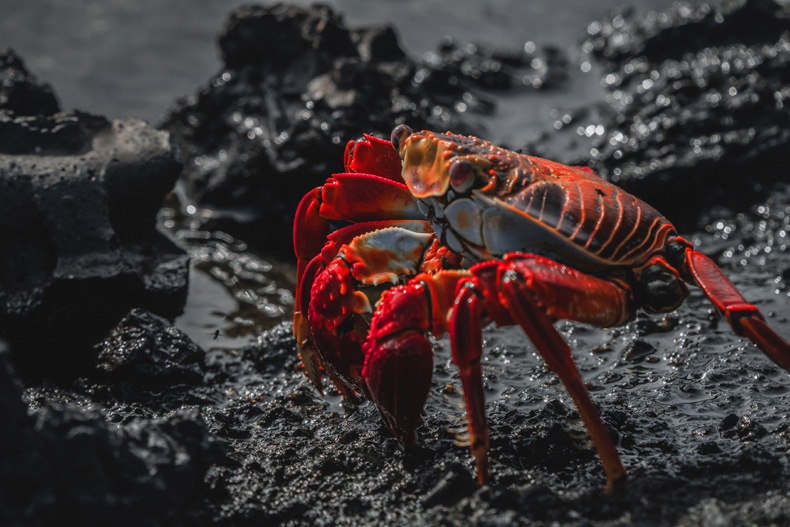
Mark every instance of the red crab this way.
pixel 469 233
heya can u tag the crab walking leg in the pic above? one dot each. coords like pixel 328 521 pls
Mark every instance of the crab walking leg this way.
pixel 518 285
pixel 466 339
pixel 745 319
pixel 307 351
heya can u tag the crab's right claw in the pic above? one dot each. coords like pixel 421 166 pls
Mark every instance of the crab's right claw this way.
pixel 744 318
pixel 399 361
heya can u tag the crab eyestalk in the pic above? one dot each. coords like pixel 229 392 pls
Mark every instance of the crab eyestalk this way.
pixel 399 134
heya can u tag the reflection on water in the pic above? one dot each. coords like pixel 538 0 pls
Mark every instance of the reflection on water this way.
pixel 231 289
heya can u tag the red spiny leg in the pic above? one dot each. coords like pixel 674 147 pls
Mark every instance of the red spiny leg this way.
pixel 744 318
pixel 310 232
pixel 398 355
pixel 307 351
pixel 466 339
pixel 565 293
pixel 521 281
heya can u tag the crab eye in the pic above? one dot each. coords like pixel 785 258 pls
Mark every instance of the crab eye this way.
pixel 461 175
pixel 400 133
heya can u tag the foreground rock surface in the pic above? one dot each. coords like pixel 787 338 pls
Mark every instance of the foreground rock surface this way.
pixel 78 202
pixel 68 463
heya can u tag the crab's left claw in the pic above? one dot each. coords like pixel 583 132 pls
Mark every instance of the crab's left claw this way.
pixel 373 156
pixel 745 319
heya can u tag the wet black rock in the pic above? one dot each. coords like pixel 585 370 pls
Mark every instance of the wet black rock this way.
pixel 697 104
pixel 78 203
pixel 30 118
pixel 458 483
pixel 67 464
pixel 145 349
pixel 700 424
pixel 296 86
pixel 22 92
pixel 492 68
pixel 274 349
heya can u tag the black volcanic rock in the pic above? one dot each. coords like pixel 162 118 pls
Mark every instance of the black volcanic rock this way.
pixel 22 92
pixel 67 465
pixel 698 104
pixel 145 349
pixel 297 85
pixel 78 203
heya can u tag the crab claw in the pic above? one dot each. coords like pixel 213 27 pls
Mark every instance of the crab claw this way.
pixel 398 373
pixel 337 326
pixel 373 156
pixel 399 360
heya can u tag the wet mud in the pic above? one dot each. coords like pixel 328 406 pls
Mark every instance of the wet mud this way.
pixel 155 429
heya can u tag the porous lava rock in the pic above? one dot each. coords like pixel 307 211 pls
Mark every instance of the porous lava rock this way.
pixel 144 349
pixel 697 104
pixel 497 69
pixel 67 465
pixel 295 87
pixel 22 92
pixel 78 201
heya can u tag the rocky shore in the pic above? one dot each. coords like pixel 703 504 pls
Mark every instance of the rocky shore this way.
pixel 112 415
